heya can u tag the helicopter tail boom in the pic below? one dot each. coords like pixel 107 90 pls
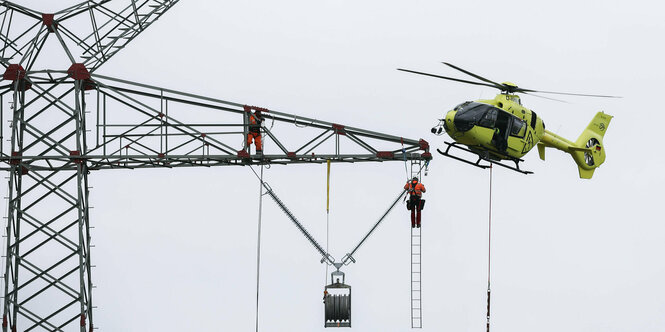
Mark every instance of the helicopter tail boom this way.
pixel 588 151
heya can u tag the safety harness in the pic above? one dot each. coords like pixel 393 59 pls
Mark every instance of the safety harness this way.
pixel 413 185
pixel 254 123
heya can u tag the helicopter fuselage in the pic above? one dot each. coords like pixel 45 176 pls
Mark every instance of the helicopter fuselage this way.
pixel 501 127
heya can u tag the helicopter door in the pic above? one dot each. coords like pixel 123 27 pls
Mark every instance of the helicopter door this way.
pixel 502 131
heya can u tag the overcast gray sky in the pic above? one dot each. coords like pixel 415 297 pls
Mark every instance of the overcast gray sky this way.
pixel 176 249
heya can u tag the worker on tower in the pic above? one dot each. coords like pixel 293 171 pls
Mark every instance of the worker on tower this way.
pixel 415 202
pixel 254 133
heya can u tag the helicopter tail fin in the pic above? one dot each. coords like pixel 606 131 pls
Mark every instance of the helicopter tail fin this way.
pixel 589 151
pixel 541 151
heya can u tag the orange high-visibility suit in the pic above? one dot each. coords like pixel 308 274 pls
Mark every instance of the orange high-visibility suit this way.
pixel 254 132
pixel 416 190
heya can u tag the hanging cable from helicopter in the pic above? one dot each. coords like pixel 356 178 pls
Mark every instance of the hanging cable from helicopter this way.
pixel 489 251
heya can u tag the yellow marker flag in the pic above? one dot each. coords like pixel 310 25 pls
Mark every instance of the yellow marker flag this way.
pixel 328 185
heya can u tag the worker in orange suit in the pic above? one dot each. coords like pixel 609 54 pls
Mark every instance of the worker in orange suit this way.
pixel 415 202
pixel 254 132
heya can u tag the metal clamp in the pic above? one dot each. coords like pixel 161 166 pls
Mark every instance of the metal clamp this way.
pixel 328 259
pixel 336 273
pixel 348 259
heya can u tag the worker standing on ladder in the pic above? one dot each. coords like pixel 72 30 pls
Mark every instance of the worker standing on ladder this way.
pixel 415 202
pixel 254 133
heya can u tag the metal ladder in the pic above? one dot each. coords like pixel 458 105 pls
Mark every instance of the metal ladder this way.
pixel 416 284
pixel 416 272
pixel 416 167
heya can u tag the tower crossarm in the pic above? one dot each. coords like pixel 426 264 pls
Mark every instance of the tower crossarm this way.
pixel 135 125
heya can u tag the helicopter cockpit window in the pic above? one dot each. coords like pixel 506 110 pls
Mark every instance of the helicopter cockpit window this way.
pixel 519 128
pixel 458 107
pixel 470 115
pixel 489 119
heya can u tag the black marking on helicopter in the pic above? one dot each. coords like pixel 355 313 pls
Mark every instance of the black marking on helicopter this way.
pixel 528 144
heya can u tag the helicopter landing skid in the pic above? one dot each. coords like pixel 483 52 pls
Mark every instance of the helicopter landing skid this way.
pixel 484 157
pixel 477 163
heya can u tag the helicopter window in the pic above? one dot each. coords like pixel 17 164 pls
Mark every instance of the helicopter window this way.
pixel 469 115
pixel 534 117
pixel 519 128
pixel 460 106
pixel 489 119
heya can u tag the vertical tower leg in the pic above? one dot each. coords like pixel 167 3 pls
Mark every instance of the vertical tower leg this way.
pixel 14 214
pixel 48 238
pixel 85 289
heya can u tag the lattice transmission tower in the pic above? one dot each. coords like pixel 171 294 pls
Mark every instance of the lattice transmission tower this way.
pixel 65 121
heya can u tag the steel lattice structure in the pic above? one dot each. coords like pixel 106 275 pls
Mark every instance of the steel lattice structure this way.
pixel 52 150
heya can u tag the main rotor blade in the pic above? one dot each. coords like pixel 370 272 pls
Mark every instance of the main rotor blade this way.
pixel 449 78
pixel 534 95
pixel 565 93
pixel 497 85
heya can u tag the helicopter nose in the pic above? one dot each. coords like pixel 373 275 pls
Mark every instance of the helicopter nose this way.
pixel 448 123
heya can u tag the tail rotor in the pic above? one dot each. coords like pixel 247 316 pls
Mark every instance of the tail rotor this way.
pixel 588 156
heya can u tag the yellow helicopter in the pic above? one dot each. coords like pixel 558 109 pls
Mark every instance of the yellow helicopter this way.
pixel 502 129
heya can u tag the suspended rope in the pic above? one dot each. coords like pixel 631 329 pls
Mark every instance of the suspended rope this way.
pixel 258 245
pixel 328 189
pixel 327 218
pixel 489 252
